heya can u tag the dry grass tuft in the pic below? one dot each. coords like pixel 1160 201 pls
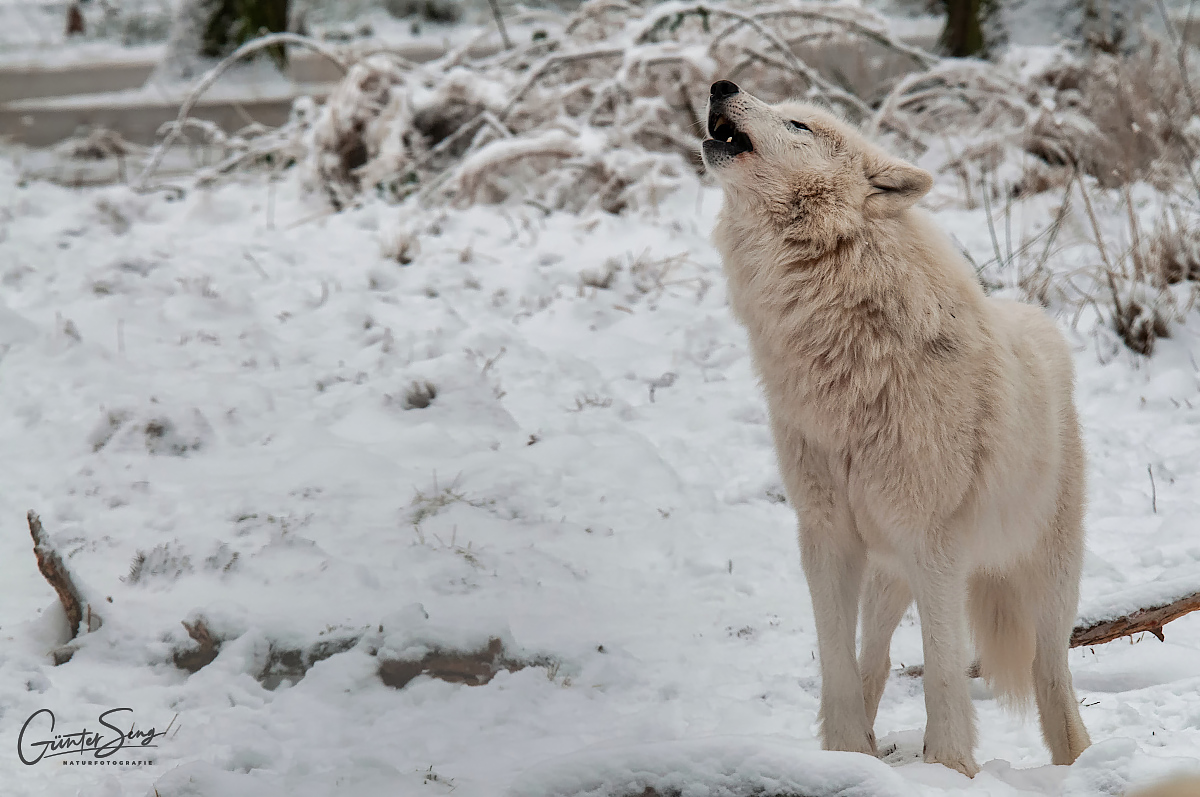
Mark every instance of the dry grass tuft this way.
pixel 427 504
pixel 419 395
pixel 1173 253
pixel 1140 317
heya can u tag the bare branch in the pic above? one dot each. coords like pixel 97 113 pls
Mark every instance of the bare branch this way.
pixel 55 571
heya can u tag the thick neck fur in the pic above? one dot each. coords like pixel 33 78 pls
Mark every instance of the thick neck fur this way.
pixel 852 320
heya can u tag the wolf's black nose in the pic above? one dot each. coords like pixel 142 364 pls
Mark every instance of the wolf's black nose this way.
pixel 724 88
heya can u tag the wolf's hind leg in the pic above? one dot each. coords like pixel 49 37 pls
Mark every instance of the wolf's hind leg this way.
pixel 1058 708
pixel 1062 727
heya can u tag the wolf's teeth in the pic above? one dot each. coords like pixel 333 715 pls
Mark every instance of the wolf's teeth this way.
pixel 729 140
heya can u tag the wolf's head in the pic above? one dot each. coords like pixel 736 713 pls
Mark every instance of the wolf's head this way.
pixel 804 168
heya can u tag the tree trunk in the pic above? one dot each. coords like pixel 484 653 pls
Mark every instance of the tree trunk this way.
pixel 75 24
pixel 963 35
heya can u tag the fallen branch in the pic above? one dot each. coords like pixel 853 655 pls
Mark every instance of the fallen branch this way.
pixel 1151 619
pixel 1147 620
pixel 52 567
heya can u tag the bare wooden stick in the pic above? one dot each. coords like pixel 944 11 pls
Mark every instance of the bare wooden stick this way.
pixel 52 567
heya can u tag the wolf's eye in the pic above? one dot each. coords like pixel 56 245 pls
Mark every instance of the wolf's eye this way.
pixel 799 126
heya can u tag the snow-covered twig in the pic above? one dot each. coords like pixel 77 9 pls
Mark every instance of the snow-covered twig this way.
pixel 174 129
pixel 815 80
pixel 922 58
pixel 1148 618
pixel 548 64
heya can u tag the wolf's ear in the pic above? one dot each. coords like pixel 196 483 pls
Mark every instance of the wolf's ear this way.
pixel 895 185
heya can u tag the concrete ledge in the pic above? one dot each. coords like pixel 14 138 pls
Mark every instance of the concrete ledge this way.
pixel 119 71
pixel 137 115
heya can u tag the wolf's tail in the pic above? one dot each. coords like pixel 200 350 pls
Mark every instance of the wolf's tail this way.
pixel 1005 634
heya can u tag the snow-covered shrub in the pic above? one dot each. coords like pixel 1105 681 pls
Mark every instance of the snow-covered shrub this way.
pixel 1141 314
pixel 1137 294
pixel 1107 26
pixel 1173 253
pixel 1117 118
pixel 600 108
pixel 349 127
pixel 595 111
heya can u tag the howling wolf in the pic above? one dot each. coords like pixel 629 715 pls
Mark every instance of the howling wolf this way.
pixel 926 433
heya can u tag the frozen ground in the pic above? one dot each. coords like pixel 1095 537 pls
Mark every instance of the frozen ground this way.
pixel 223 391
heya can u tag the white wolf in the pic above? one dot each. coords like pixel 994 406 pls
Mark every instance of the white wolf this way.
pixel 926 434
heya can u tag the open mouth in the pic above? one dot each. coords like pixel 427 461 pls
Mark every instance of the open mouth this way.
pixel 727 137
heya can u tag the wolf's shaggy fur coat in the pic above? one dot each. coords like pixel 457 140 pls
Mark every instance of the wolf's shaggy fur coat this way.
pixel 926 433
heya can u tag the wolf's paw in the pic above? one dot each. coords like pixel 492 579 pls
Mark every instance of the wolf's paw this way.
pixel 963 762
pixel 852 742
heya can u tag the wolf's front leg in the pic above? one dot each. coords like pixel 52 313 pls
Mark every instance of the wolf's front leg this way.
pixel 834 558
pixel 939 586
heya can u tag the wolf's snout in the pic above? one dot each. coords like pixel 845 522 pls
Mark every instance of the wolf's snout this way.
pixel 726 140
pixel 723 88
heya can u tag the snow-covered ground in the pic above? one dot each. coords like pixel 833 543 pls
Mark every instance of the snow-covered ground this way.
pixel 210 403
